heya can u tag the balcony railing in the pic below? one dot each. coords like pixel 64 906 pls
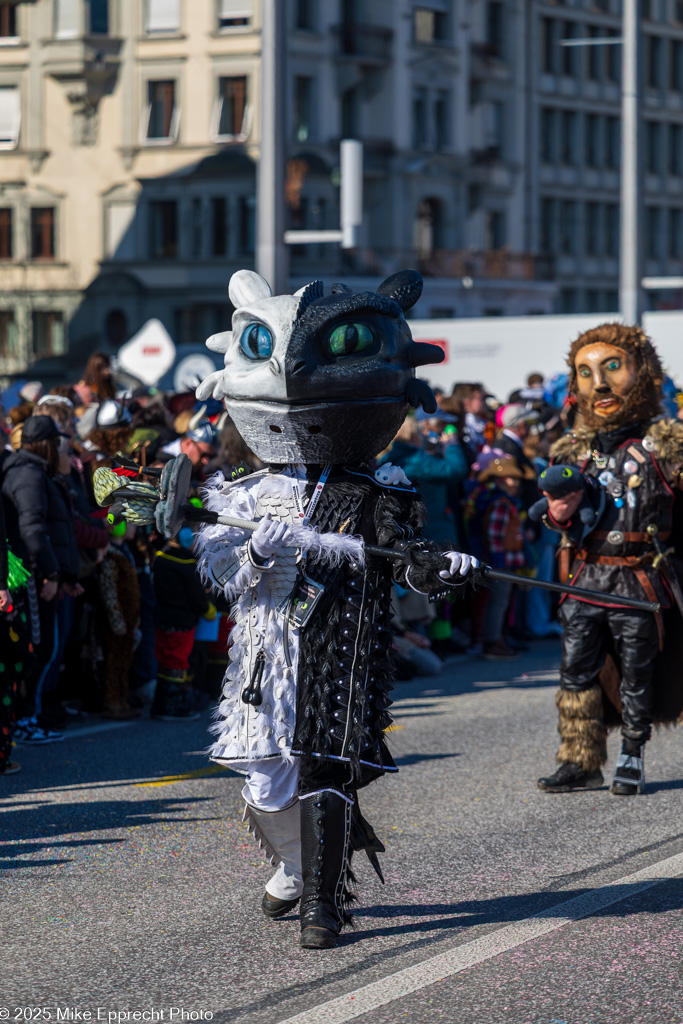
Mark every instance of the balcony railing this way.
pixel 458 264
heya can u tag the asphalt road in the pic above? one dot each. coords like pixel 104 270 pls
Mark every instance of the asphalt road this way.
pixel 131 885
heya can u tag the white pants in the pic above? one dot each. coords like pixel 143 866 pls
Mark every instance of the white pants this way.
pixel 272 793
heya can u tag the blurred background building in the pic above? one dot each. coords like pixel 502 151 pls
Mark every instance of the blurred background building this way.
pixel 129 141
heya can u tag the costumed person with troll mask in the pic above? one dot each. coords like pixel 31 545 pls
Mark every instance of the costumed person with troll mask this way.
pixel 618 505
pixel 317 385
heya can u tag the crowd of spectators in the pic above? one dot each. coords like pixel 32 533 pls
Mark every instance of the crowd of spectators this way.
pixel 105 618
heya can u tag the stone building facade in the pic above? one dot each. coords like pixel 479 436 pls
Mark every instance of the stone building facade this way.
pixel 129 142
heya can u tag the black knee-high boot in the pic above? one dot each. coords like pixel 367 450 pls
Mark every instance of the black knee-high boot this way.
pixel 325 848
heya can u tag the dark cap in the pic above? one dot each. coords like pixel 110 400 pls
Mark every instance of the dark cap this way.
pixel 39 428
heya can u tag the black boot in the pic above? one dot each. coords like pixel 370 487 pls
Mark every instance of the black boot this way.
pixel 629 775
pixel 325 835
pixel 173 697
pixel 571 776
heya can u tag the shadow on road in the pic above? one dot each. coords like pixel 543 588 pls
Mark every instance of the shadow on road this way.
pixel 446 921
pixel 46 821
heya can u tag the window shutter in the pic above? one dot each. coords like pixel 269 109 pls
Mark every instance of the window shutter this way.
pixel 10 116
pixel 67 19
pixel 163 15
pixel 234 9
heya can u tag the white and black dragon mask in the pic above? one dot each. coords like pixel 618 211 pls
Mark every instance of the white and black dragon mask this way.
pixel 320 378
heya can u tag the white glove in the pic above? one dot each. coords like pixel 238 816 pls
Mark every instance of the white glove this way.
pixel 268 538
pixel 459 564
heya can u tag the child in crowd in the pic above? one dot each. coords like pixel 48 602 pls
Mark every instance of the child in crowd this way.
pixel 120 596
pixel 496 536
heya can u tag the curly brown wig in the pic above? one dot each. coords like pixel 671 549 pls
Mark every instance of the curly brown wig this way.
pixel 111 441
pixel 645 399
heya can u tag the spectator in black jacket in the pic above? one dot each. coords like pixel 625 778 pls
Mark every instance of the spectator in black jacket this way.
pixel 181 601
pixel 41 533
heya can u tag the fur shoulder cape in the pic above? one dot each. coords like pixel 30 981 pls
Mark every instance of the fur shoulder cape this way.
pixel 577 445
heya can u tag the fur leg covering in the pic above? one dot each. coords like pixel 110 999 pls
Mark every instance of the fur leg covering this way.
pixel 279 834
pixel 582 728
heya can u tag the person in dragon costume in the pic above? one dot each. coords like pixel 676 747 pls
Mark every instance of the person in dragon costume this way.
pixel 317 385
pixel 619 666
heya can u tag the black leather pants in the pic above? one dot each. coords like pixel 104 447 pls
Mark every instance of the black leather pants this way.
pixel 587 629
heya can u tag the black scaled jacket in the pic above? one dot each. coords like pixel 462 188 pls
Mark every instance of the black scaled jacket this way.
pixel 39 520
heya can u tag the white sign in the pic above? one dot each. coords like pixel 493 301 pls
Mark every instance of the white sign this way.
pixel 149 353
pixel 191 371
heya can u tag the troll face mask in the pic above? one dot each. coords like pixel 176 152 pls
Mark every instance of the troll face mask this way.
pixel 319 378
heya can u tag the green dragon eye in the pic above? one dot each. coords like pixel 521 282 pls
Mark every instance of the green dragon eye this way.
pixel 349 340
pixel 566 473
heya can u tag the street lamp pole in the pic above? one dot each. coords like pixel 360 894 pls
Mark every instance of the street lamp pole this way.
pixel 271 251
pixel 631 303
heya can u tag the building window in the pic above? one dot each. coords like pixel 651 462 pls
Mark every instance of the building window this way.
pixel 495 27
pixel 420 126
pixel 568 227
pixel 10 116
pixel 494 138
pixel 197 237
pixel 247 225
pixel 48 333
pixel 592 140
pixel 6 233
pixel 594 55
pixel 569 53
pixel 548 124
pixel 43 233
pixel 162 114
pixel 676 66
pixel 613 60
pixel 231 109
pixel 428 228
pixel 304 15
pixel 593 304
pixel 653 232
pixel 162 16
pixel 653 61
pixel 675 234
pixel 653 136
pixel 567 300
pixel 441 121
pixel 8 21
pixel 303 108
pixel 163 234
pixel 234 14
pixel 612 229
pixel 430 26
pixel 547 226
pixel 8 334
pixel 612 143
pixel 548 46
pixel 494 230
pixel 592 228
pixel 98 17
pixel 568 145
pixel 219 226
pixel 675 154
pixel 68 19
pixel 678 12
pixel 350 113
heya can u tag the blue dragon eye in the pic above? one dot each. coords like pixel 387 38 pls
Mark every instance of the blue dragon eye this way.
pixel 257 342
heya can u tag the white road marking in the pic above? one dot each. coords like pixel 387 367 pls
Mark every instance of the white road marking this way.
pixel 364 1000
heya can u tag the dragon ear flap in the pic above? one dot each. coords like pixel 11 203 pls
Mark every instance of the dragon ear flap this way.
pixel 405 288
pixel 247 286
